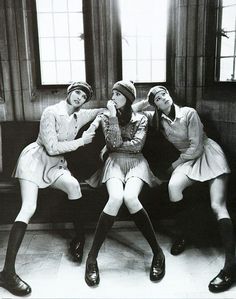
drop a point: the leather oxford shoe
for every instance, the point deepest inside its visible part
(77, 249)
(178, 246)
(92, 274)
(222, 282)
(157, 270)
(14, 284)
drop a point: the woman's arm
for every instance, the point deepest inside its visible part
(140, 106)
(50, 140)
(195, 134)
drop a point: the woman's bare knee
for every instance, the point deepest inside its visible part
(26, 212)
(113, 205)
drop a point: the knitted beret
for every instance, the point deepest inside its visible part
(127, 88)
(153, 91)
(85, 87)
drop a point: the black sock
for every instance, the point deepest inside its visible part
(104, 224)
(228, 242)
(144, 224)
(180, 215)
(15, 238)
(77, 218)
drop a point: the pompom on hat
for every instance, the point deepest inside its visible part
(84, 86)
(153, 92)
(127, 88)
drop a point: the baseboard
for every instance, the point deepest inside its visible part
(67, 225)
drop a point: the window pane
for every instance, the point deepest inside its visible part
(159, 70)
(228, 18)
(226, 69)
(60, 24)
(61, 41)
(76, 49)
(45, 24)
(226, 42)
(129, 70)
(59, 5)
(44, 5)
(62, 49)
(47, 49)
(48, 72)
(75, 5)
(78, 70)
(76, 27)
(144, 29)
(63, 71)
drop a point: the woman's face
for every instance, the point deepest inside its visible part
(163, 100)
(77, 98)
(118, 98)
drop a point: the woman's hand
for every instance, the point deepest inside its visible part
(112, 108)
(88, 137)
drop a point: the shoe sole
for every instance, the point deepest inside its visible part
(2, 285)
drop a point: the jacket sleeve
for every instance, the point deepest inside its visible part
(141, 106)
(89, 115)
(114, 139)
(49, 136)
(195, 134)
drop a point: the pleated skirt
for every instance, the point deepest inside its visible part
(124, 166)
(211, 164)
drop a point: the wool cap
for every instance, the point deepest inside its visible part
(84, 86)
(127, 88)
(153, 91)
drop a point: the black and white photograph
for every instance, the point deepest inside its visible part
(118, 149)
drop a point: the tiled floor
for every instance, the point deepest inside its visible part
(124, 263)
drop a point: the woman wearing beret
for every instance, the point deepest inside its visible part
(201, 159)
(124, 173)
(42, 164)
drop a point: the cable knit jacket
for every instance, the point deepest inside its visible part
(126, 139)
(42, 162)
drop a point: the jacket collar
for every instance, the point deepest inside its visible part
(178, 113)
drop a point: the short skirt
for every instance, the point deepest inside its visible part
(124, 166)
(211, 164)
(35, 165)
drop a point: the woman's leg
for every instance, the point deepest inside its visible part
(132, 189)
(177, 184)
(218, 192)
(8, 277)
(68, 184)
(105, 222)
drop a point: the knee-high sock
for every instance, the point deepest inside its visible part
(144, 224)
(105, 223)
(228, 242)
(180, 212)
(77, 218)
(15, 238)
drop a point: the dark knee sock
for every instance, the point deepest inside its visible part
(105, 223)
(180, 215)
(144, 224)
(15, 238)
(77, 218)
(228, 242)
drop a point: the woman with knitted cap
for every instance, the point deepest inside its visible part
(201, 159)
(124, 173)
(42, 164)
